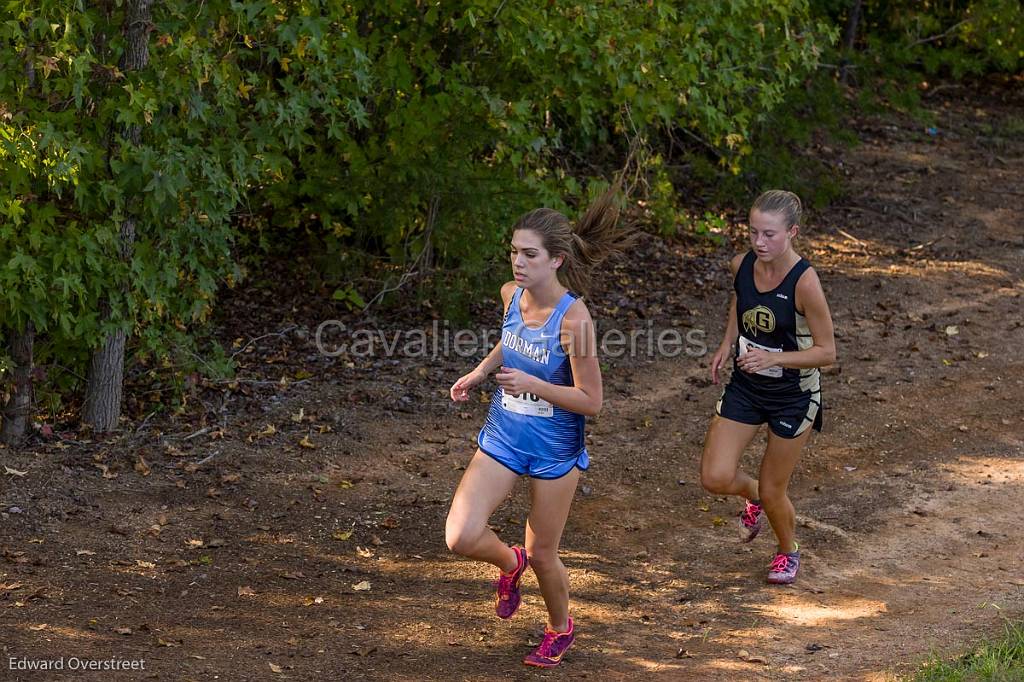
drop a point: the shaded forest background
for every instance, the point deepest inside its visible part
(153, 156)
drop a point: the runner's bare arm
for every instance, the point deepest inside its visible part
(580, 341)
(460, 389)
(731, 327)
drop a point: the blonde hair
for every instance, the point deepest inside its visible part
(780, 201)
(594, 237)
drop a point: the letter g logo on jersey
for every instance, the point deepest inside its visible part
(759, 319)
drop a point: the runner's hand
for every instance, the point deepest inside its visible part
(720, 358)
(461, 388)
(515, 381)
(755, 360)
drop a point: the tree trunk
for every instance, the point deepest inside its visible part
(849, 39)
(105, 382)
(19, 405)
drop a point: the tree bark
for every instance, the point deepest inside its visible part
(849, 39)
(19, 405)
(105, 381)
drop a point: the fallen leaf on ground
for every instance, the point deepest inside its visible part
(342, 534)
(123, 631)
(246, 591)
(307, 443)
(14, 472)
(275, 668)
(141, 467)
(105, 470)
(364, 586)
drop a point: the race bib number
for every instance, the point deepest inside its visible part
(746, 345)
(528, 404)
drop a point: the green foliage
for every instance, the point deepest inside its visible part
(416, 132)
(378, 139)
(948, 39)
(996, 660)
(70, 180)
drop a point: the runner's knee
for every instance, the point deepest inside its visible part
(717, 482)
(770, 493)
(543, 558)
(460, 538)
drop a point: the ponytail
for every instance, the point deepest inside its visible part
(595, 236)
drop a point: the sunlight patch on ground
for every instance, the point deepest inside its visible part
(798, 612)
(738, 668)
(918, 270)
(43, 631)
(967, 470)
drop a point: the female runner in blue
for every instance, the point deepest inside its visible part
(549, 381)
(781, 330)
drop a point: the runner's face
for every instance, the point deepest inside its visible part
(531, 263)
(769, 236)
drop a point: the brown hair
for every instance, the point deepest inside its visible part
(780, 201)
(594, 237)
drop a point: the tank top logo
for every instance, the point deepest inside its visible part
(759, 319)
(518, 344)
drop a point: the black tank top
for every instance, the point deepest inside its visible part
(769, 320)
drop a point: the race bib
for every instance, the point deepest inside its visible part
(528, 404)
(746, 345)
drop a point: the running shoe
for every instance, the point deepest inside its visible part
(783, 568)
(507, 586)
(751, 521)
(552, 648)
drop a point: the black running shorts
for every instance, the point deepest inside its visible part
(787, 416)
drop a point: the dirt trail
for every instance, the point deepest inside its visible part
(909, 501)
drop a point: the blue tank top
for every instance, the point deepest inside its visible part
(526, 423)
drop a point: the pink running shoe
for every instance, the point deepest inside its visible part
(552, 648)
(783, 568)
(751, 521)
(508, 595)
